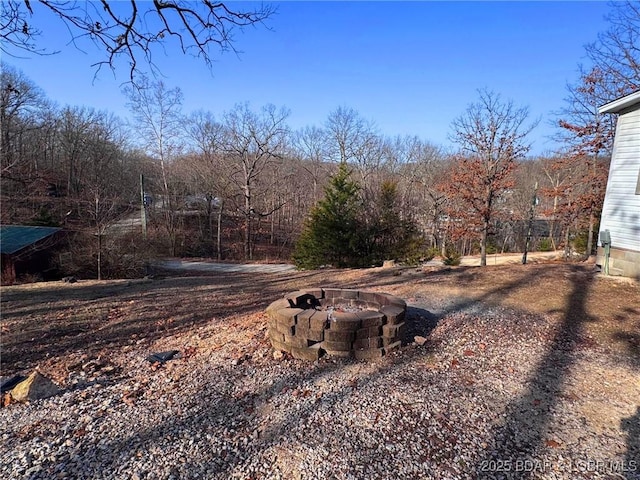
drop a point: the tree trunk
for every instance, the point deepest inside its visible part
(70, 190)
(592, 223)
(592, 217)
(219, 233)
(99, 256)
(485, 226)
(210, 223)
(247, 236)
(171, 231)
(552, 224)
(143, 209)
(483, 243)
(247, 220)
(273, 223)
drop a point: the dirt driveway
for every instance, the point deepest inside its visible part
(181, 265)
(208, 266)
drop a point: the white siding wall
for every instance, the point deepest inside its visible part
(621, 209)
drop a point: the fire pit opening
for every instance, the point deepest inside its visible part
(342, 323)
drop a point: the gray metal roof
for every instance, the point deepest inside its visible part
(14, 238)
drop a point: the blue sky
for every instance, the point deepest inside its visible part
(410, 67)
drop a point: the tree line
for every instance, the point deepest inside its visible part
(243, 185)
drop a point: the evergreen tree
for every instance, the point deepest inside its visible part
(337, 233)
(395, 236)
(330, 233)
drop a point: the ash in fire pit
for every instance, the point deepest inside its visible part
(343, 323)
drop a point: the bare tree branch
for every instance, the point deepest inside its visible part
(616, 53)
(132, 31)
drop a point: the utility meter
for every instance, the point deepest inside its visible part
(605, 240)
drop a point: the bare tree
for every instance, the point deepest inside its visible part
(294, 187)
(132, 30)
(310, 145)
(355, 140)
(207, 170)
(75, 127)
(101, 183)
(492, 136)
(559, 185)
(422, 166)
(22, 104)
(159, 125)
(616, 53)
(529, 178)
(253, 142)
(349, 133)
(205, 134)
(582, 128)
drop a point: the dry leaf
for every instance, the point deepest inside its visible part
(468, 381)
(155, 366)
(552, 443)
(6, 400)
(189, 352)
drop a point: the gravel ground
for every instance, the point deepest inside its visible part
(493, 393)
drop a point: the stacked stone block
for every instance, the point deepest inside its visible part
(305, 324)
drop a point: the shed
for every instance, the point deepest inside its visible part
(621, 207)
(25, 249)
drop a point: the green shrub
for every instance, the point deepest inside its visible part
(44, 218)
(417, 252)
(452, 257)
(491, 247)
(580, 241)
(432, 252)
(545, 245)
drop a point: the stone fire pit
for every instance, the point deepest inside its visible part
(338, 322)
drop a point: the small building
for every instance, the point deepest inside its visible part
(26, 250)
(621, 208)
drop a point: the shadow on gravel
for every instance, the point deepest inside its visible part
(205, 416)
(631, 466)
(477, 304)
(418, 321)
(523, 435)
(632, 342)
